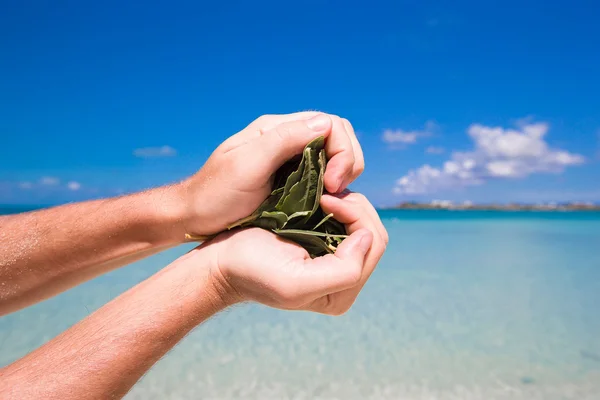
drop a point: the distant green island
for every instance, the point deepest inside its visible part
(470, 206)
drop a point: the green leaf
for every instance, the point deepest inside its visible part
(272, 220)
(317, 143)
(333, 226)
(245, 221)
(267, 205)
(293, 180)
(302, 195)
(316, 201)
(293, 208)
(312, 198)
(283, 173)
(323, 221)
(314, 245)
(293, 202)
(308, 170)
(295, 218)
(309, 233)
(289, 204)
(277, 191)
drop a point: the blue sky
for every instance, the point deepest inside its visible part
(473, 100)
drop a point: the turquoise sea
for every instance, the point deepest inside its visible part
(464, 305)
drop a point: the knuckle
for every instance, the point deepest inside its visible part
(341, 309)
(359, 198)
(386, 237)
(336, 119)
(347, 125)
(349, 161)
(262, 121)
(328, 306)
(335, 306)
(283, 131)
(378, 249)
(332, 308)
(359, 167)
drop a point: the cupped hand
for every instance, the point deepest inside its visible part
(237, 177)
(256, 265)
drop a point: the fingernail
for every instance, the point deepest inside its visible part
(319, 122)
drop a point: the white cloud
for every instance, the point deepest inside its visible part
(74, 185)
(49, 181)
(153, 152)
(25, 185)
(399, 136)
(498, 153)
(402, 137)
(434, 150)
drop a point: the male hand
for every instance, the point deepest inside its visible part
(237, 177)
(256, 265)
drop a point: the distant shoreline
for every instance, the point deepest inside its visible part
(447, 206)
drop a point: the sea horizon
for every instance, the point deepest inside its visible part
(7, 209)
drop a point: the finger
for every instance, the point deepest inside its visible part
(377, 220)
(345, 211)
(335, 272)
(341, 157)
(369, 209)
(359, 161)
(286, 140)
(355, 211)
(350, 208)
(268, 122)
(262, 124)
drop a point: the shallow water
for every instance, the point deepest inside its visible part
(463, 306)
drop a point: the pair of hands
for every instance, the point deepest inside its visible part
(254, 264)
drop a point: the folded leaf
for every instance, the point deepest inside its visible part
(267, 205)
(293, 209)
(271, 220)
(321, 163)
(293, 180)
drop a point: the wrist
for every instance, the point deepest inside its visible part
(205, 279)
(189, 218)
(228, 294)
(168, 208)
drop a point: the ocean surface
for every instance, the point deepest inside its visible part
(464, 305)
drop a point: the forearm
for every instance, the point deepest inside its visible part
(105, 354)
(48, 251)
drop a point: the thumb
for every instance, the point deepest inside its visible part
(336, 272)
(288, 139)
(355, 247)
